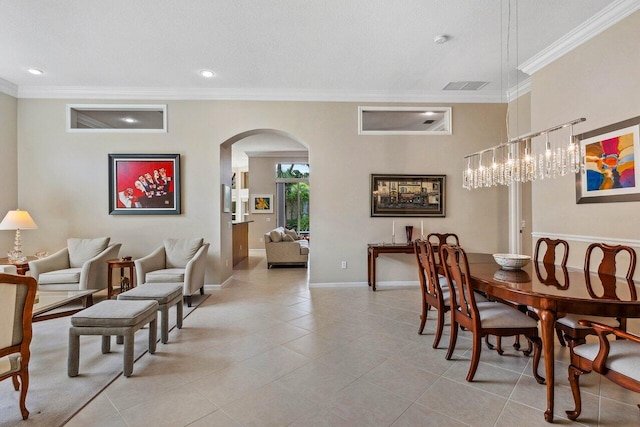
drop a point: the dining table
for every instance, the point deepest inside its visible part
(551, 291)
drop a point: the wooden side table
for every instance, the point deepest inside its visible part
(121, 264)
(22, 267)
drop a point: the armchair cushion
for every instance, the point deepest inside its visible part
(292, 233)
(179, 252)
(82, 250)
(168, 275)
(68, 275)
(624, 356)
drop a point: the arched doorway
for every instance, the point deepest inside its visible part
(262, 150)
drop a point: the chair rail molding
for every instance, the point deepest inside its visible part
(587, 239)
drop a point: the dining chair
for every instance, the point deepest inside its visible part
(17, 294)
(618, 361)
(572, 331)
(439, 239)
(551, 249)
(434, 289)
(491, 318)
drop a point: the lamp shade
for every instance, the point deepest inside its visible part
(17, 220)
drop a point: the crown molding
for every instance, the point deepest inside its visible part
(518, 90)
(601, 21)
(9, 88)
(226, 94)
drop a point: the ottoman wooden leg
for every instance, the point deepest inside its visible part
(73, 358)
(119, 339)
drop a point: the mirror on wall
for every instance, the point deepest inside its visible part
(404, 120)
(98, 118)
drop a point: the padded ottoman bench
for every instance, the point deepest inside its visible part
(166, 294)
(112, 317)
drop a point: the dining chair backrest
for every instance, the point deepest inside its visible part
(456, 268)
(550, 253)
(428, 274)
(439, 239)
(17, 295)
(607, 270)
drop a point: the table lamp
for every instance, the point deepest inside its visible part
(17, 220)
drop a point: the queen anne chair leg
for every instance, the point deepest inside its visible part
(452, 340)
(439, 328)
(574, 381)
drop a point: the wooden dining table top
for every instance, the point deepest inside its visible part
(562, 289)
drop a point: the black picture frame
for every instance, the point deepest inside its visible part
(408, 195)
(159, 194)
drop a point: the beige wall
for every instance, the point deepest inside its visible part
(9, 169)
(63, 180)
(599, 81)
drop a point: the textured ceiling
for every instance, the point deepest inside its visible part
(280, 48)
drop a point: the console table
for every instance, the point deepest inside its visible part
(375, 249)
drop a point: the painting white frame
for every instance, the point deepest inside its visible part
(255, 200)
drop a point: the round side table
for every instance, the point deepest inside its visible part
(121, 264)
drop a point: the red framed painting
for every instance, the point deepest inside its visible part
(144, 184)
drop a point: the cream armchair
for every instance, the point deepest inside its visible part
(176, 261)
(81, 265)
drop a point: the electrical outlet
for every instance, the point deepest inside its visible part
(268, 219)
(344, 264)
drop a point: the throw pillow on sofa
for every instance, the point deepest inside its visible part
(288, 238)
(276, 235)
(292, 234)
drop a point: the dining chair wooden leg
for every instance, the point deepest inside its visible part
(560, 337)
(16, 384)
(475, 356)
(423, 317)
(574, 381)
(439, 328)
(537, 352)
(452, 340)
(24, 386)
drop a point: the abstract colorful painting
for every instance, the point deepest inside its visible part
(610, 163)
(610, 174)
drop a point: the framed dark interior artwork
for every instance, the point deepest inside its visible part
(609, 174)
(144, 184)
(408, 195)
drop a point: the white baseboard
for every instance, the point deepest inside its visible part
(363, 284)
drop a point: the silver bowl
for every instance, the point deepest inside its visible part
(511, 261)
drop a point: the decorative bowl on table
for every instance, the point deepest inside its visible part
(511, 261)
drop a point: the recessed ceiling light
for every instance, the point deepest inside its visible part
(129, 120)
(207, 73)
(428, 113)
(35, 71)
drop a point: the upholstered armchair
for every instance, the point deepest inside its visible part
(80, 266)
(176, 261)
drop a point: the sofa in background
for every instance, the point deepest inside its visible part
(286, 247)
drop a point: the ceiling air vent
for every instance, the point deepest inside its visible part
(465, 85)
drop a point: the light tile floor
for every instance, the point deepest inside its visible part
(269, 351)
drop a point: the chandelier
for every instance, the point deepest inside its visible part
(518, 161)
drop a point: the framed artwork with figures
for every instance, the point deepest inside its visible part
(144, 184)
